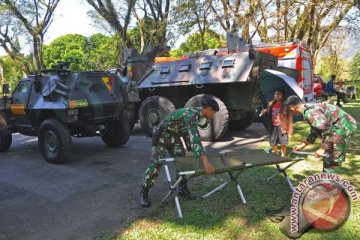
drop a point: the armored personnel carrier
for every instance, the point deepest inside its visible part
(59, 104)
(228, 75)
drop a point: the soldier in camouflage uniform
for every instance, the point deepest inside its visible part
(334, 125)
(166, 139)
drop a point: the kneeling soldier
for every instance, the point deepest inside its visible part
(166, 139)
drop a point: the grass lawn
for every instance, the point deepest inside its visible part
(222, 216)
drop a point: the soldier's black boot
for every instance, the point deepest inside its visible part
(184, 191)
(144, 197)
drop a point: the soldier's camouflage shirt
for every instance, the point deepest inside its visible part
(182, 123)
(328, 121)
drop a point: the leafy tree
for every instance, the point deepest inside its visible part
(68, 48)
(11, 72)
(158, 13)
(35, 18)
(194, 43)
(188, 15)
(177, 52)
(11, 30)
(116, 14)
(143, 33)
(98, 52)
(355, 67)
(311, 21)
(151, 17)
(234, 16)
(102, 52)
(328, 66)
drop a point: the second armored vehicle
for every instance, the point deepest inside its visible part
(228, 75)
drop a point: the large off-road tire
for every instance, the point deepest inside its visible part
(5, 142)
(55, 141)
(117, 132)
(152, 111)
(243, 123)
(216, 128)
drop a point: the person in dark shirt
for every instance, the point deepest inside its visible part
(330, 89)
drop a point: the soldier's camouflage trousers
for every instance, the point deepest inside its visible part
(158, 152)
(332, 164)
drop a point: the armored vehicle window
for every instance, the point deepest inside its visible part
(228, 63)
(205, 65)
(165, 70)
(185, 68)
(97, 87)
(23, 87)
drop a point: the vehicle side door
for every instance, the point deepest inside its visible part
(19, 104)
(100, 93)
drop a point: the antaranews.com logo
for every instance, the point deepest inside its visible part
(323, 201)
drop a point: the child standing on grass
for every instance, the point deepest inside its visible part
(282, 123)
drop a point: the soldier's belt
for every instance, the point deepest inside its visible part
(224, 162)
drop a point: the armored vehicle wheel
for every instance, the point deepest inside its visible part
(5, 142)
(117, 132)
(243, 123)
(152, 111)
(218, 126)
(54, 141)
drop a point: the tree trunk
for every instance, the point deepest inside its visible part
(278, 20)
(286, 10)
(1, 74)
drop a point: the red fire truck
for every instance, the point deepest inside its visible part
(294, 55)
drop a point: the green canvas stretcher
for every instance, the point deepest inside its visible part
(224, 162)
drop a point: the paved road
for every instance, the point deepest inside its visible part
(97, 191)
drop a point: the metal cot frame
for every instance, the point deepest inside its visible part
(174, 185)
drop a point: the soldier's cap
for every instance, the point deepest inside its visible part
(210, 102)
(292, 101)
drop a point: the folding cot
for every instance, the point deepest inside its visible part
(232, 162)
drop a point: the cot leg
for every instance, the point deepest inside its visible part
(178, 207)
(242, 197)
(217, 189)
(174, 187)
(241, 194)
(289, 182)
(283, 171)
(168, 178)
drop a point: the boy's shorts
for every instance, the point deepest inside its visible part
(278, 137)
